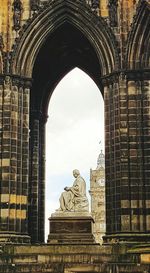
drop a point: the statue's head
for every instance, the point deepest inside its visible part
(76, 173)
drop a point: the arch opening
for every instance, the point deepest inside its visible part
(59, 47)
(74, 129)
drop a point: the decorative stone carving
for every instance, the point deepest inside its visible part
(34, 4)
(113, 5)
(95, 4)
(17, 8)
(74, 198)
(7, 82)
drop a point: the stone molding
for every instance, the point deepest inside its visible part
(133, 74)
(70, 214)
(17, 80)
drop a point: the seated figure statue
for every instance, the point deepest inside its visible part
(74, 198)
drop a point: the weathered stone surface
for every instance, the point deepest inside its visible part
(71, 258)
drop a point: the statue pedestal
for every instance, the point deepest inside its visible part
(71, 228)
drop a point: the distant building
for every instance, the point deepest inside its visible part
(97, 192)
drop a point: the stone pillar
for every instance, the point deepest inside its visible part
(127, 121)
(112, 154)
(14, 127)
(34, 178)
(41, 209)
(37, 177)
(25, 148)
(145, 145)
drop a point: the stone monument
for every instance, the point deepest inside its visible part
(72, 222)
(74, 198)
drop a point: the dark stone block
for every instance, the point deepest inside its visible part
(74, 230)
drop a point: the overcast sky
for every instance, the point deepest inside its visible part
(74, 129)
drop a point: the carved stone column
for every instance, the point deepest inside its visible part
(34, 177)
(112, 151)
(145, 145)
(41, 204)
(14, 140)
(127, 120)
(37, 177)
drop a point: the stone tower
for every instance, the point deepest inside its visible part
(97, 192)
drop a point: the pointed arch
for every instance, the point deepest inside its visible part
(53, 15)
(138, 46)
(63, 50)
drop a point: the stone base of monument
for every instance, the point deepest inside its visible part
(71, 229)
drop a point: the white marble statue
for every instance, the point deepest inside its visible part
(74, 198)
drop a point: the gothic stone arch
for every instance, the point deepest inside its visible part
(92, 47)
(25, 93)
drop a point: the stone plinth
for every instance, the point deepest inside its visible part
(71, 228)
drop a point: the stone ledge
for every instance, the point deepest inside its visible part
(9, 238)
(70, 214)
(127, 238)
